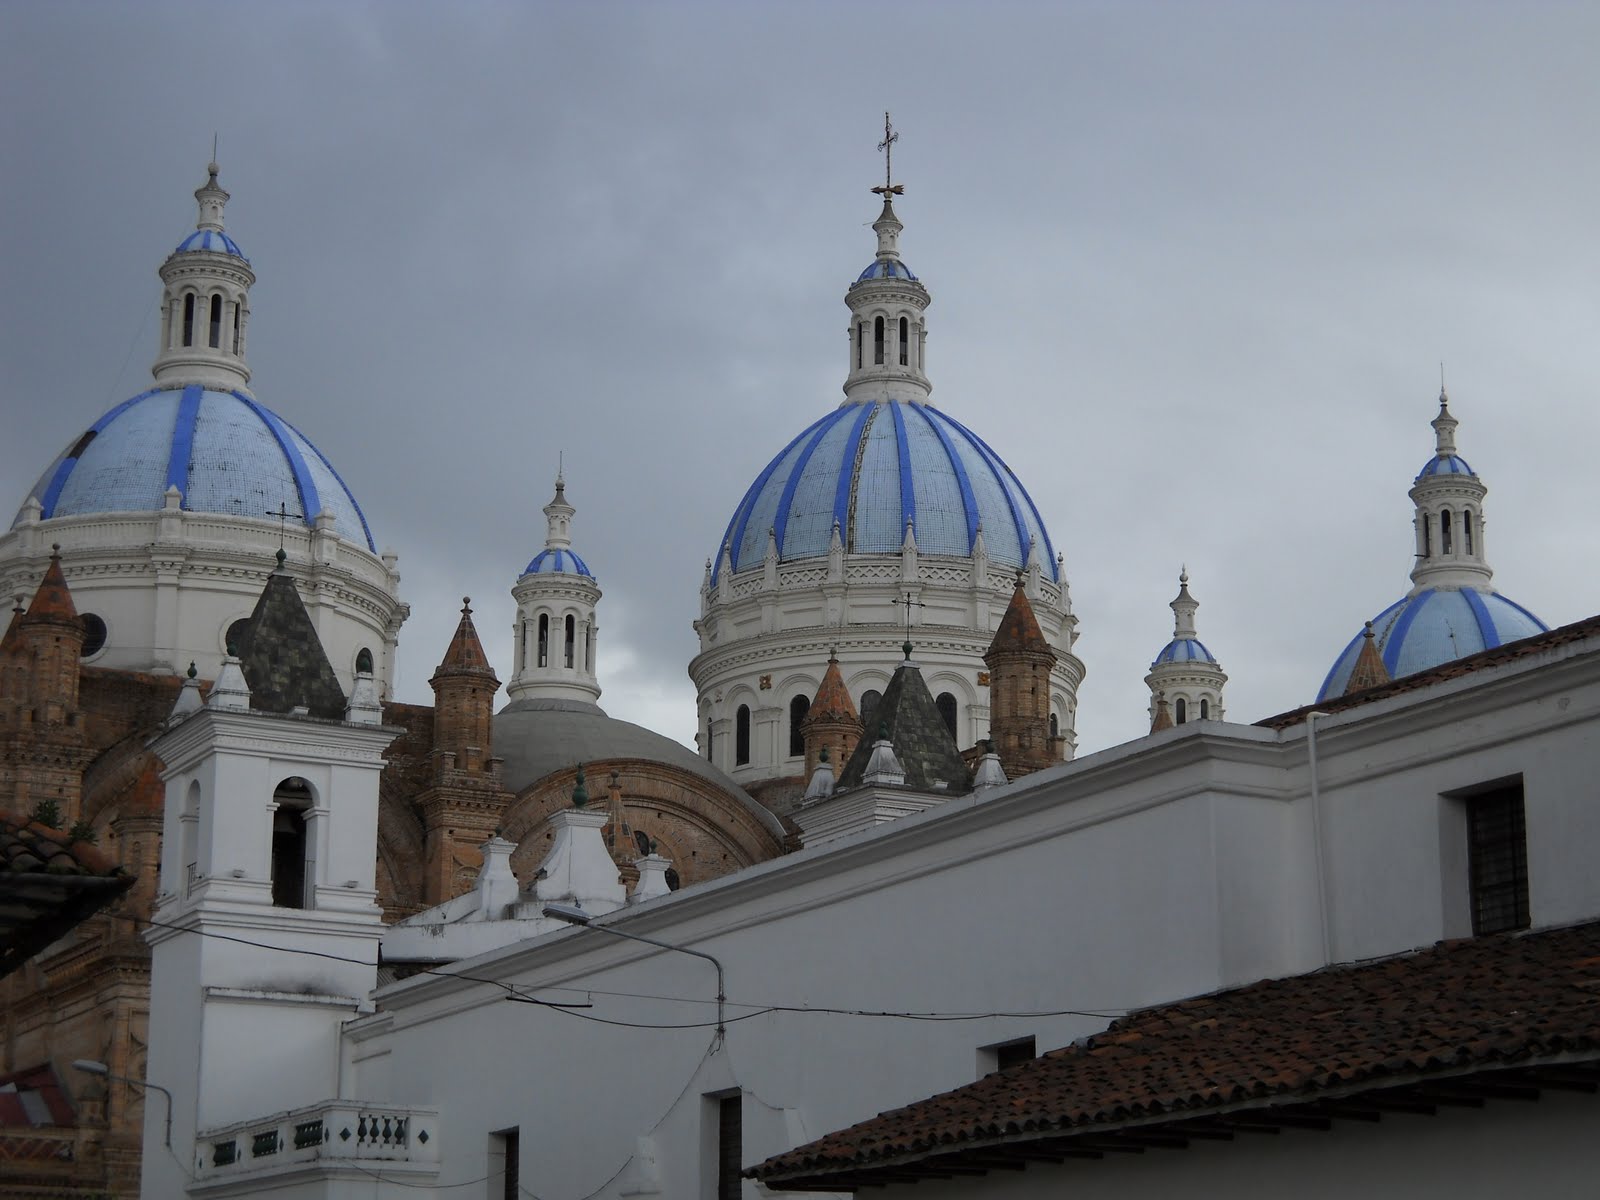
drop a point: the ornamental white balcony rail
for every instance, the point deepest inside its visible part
(336, 1136)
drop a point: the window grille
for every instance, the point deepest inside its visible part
(1497, 853)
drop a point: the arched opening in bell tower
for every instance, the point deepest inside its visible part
(291, 845)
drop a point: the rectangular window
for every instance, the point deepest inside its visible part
(1497, 859)
(730, 1145)
(1002, 1056)
(505, 1161)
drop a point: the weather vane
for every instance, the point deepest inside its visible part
(909, 602)
(890, 187)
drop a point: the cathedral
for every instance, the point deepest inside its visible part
(884, 614)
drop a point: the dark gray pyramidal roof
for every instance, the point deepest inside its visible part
(908, 717)
(282, 658)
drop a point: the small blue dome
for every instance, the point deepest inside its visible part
(885, 268)
(557, 562)
(1445, 464)
(1433, 627)
(224, 451)
(210, 239)
(1184, 650)
(872, 467)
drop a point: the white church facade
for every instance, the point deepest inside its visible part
(876, 940)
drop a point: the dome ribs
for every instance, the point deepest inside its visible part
(183, 439)
(863, 434)
(969, 498)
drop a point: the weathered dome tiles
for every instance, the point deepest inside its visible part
(225, 452)
(874, 467)
(1433, 627)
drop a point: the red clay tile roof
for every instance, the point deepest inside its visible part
(1369, 671)
(832, 698)
(1436, 1018)
(48, 883)
(53, 601)
(465, 652)
(1523, 648)
(1019, 628)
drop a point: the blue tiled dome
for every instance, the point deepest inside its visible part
(1181, 650)
(1435, 626)
(1445, 464)
(885, 268)
(210, 239)
(558, 562)
(224, 451)
(872, 467)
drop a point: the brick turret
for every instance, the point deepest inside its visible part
(465, 800)
(44, 751)
(1019, 661)
(832, 720)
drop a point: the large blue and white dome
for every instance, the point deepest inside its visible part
(224, 451)
(1433, 627)
(872, 467)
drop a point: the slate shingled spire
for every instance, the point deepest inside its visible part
(1369, 670)
(282, 657)
(909, 718)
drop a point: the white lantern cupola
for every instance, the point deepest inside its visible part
(888, 330)
(555, 634)
(1448, 496)
(205, 308)
(1185, 676)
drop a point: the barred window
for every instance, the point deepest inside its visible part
(1497, 856)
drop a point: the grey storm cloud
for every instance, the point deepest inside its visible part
(1194, 269)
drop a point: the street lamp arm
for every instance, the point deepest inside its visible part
(90, 1067)
(576, 916)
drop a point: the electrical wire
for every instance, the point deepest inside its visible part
(521, 996)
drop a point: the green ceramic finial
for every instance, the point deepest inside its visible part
(883, 731)
(193, 674)
(282, 557)
(905, 648)
(580, 793)
(822, 755)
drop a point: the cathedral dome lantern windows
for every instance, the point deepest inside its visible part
(556, 598)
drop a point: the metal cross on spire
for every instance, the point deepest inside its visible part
(890, 187)
(909, 602)
(283, 514)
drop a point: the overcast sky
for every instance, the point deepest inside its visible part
(1194, 268)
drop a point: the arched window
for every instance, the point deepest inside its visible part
(290, 848)
(905, 340)
(710, 742)
(238, 332)
(1180, 711)
(946, 704)
(798, 708)
(215, 338)
(877, 341)
(588, 649)
(741, 735)
(1205, 710)
(869, 709)
(1466, 528)
(1427, 536)
(861, 337)
(188, 319)
(1444, 532)
(1055, 726)
(544, 639)
(572, 637)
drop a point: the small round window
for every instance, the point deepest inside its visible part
(94, 634)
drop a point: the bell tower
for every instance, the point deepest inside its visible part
(205, 307)
(554, 639)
